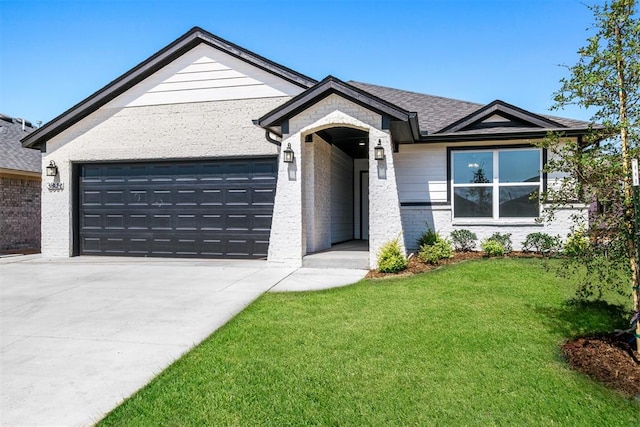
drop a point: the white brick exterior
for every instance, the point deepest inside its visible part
(415, 220)
(179, 131)
(302, 213)
(317, 193)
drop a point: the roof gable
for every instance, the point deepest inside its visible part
(145, 69)
(499, 114)
(332, 85)
(202, 74)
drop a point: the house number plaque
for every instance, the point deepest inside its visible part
(55, 186)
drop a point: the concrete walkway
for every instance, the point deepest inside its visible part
(79, 335)
(351, 254)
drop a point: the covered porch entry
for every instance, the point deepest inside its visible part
(332, 189)
(336, 195)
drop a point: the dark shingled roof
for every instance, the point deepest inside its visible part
(13, 155)
(436, 112)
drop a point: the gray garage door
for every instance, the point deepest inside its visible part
(204, 209)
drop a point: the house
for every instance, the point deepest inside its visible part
(19, 188)
(206, 149)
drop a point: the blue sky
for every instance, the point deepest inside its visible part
(53, 54)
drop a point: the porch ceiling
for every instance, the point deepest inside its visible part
(353, 142)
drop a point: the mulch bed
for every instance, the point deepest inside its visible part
(612, 359)
(416, 266)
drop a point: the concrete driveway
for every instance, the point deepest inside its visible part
(79, 335)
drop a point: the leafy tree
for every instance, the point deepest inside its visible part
(598, 167)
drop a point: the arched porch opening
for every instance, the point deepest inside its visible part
(336, 190)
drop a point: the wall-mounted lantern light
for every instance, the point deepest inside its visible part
(378, 151)
(288, 154)
(52, 169)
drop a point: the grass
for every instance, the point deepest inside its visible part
(470, 344)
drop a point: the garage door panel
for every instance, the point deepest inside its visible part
(186, 197)
(138, 222)
(217, 208)
(256, 193)
(211, 196)
(237, 220)
(217, 245)
(114, 222)
(89, 221)
(186, 222)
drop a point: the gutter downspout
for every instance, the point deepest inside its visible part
(267, 135)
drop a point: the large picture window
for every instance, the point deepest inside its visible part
(497, 183)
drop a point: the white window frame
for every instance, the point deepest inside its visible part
(495, 185)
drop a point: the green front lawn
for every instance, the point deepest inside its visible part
(470, 344)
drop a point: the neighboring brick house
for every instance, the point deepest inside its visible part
(20, 188)
(186, 155)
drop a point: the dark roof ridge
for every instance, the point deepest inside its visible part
(19, 120)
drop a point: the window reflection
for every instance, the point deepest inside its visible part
(514, 192)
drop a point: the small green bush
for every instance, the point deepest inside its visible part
(429, 237)
(463, 240)
(541, 243)
(492, 247)
(504, 240)
(432, 254)
(391, 258)
(577, 243)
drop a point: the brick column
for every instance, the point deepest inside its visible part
(286, 243)
(385, 223)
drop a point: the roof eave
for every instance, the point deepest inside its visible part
(501, 136)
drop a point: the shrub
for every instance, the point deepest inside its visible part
(492, 247)
(391, 258)
(577, 243)
(503, 239)
(464, 240)
(541, 243)
(429, 237)
(432, 254)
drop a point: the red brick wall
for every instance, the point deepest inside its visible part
(19, 213)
